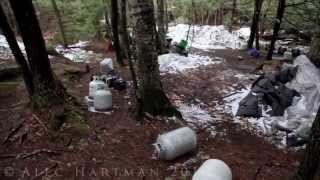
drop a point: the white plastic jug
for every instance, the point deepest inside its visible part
(213, 169)
(106, 66)
(175, 143)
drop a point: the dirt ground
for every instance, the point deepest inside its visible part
(119, 147)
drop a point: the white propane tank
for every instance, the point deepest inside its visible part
(287, 55)
(106, 65)
(213, 169)
(175, 143)
(102, 99)
(94, 85)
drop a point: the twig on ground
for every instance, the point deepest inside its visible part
(40, 122)
(13, 131)
(256, 174)
(35, 152)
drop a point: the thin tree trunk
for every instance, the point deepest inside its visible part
(122, 29)
(194, 9)
(166, 18)
(9, 14)
(115, 30)
(108, 27)
(46, 88)
(255, 22)
(233, 13)
(129, 54)
(60, 23)
(153, 98)
(161, 25)
(21, 61)
(258, 38)
(276, 28)
(311, 160)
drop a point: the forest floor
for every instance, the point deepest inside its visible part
(119, 147)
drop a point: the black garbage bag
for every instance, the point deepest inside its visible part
(269, 90)
(249, 106)
(117, 83)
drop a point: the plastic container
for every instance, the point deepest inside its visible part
(175, 143)
(106, 66)
(96, 84)
(213, 169)
(102, 100)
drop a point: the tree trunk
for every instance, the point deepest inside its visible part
(129, 54)
(9, 14)
(161, 25)
(21, 61)
(255, 22)
(314, 53)
(123, 29)
(311, 160)
(194, 9)
(276, 28)
(46, 88)
(60, 23)
(166, 18)
(108, 27)
(153, 99)
(115, 30)
(258, 38)
(233, 13)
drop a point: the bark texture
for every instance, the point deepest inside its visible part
(315, 49)
(153, 100)
(311, 160)
(161, 25)
(115, 30)
(280, 12)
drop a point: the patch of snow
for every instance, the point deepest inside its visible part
(197, 117)
(210, 37)
(76, 53)
(175, 63)
(5, 51)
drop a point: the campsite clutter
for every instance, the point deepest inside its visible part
(100, 95)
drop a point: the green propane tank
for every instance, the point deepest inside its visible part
(183, 44)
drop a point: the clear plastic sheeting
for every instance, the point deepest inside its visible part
(299, 117)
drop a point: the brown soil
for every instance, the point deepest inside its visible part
(119, 147)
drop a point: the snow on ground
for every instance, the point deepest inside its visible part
(75, 52)
(197, 117)
(298, 117)
(210, 37)
(5, 51)
(175, 63)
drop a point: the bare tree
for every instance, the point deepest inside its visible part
(255, 23)
(153, 100)
(45, 88)
(277, 24)
(115, 30)
(60, 23)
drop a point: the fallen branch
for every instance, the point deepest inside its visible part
(13, 131)
(40, 122)
(36, 152)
